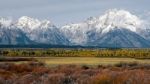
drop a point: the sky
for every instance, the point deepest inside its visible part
(61, 12)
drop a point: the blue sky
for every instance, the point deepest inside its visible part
(61, 12)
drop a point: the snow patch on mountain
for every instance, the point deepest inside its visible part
(114, 27)
(28, 24)
(116, 19)
(44, 31)
(38, 31)
(96, 27)
(5, 22)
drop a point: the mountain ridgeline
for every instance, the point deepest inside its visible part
(115, 28)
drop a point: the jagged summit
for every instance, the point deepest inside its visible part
(28, 22)
(5, 22)
(115, 28)
(116, 19)
(25, 22)
(33, 30)
(111, 19)
(96, 30)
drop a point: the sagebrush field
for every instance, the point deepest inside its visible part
(38, 73)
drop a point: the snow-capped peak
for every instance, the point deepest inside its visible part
(31, 23)
(47, 24)
(116, 19)
(96, 27)
(5, 22)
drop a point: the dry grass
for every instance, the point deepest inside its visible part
(38, 73)
(93, 61)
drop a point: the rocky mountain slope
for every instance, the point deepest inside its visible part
(115, 28)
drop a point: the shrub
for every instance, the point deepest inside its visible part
(38, 73)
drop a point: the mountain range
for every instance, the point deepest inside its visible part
(115, 28)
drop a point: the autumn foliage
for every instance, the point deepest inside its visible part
(130, 53)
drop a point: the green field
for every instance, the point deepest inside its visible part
(52, 61)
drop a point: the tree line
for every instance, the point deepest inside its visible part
(56, 52)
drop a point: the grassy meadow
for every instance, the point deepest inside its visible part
(91, 61)
(60, 56)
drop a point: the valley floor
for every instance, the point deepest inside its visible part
(71, 66)
(91, 61)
